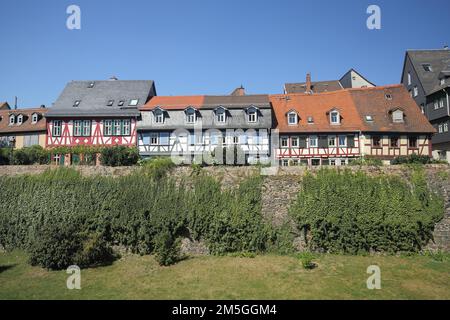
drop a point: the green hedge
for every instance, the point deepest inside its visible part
(353, 212)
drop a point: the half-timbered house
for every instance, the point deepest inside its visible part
(196, 125)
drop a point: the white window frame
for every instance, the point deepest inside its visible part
(221, 116)
(77, 128)
(117, 124)
(442, 81)
(311, 139)
(397, 119)
(416, 91)
(19, 119)
(252, 115)
(284, 142)
(295, 119)
(440, 128)
(12, 119)
(337, 120)
(154, 139)
(107, 128)
(34, 118)
(158, 116)
(56, 128)
(295, 142)
(441, 103)
(133, 102)
(332, 138)
(236, 139)
(87, 125)
(126, 127)
(436, 104)
(446, 127)
(409, 78)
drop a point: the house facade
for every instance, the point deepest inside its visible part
(97, 113)
(201, 126)
(21, 128)
(426, 76)
(334, 128)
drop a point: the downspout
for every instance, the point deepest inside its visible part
(448, 103)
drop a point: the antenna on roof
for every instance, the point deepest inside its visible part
(15, 103)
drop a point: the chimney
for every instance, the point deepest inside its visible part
(239, 91)
(308, 83)
(15, 103)
(42, 106)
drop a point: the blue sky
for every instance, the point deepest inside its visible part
(207, 46)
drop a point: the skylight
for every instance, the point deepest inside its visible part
(121, 102)
(77, 103)
(133, 102)
(427, 67)
(369, 118)
(91, 84)
(310, 119)
(110, 103)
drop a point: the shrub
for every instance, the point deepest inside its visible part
(167, 248)
(5, 155)
(30, 155)
(95, 251)
(157, 167)
(306, 259)
(412, 159)
(366, 161)
(119, 156)
(353, 212)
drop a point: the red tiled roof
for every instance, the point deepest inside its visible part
(26, 126)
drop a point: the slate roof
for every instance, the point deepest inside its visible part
(353, 105)
(206, 102)
(439, 61)
(4, 106)
(94, 101)
(316, 86)
(27, 125)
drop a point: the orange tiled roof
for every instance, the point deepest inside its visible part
(26, 126)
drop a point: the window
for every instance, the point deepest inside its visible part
(313, 141)
(410, 93)
(159, 116)
(110, 103)
(446, 127)
(77, 124)
(91, 85)
(107, 128)
(285, 162)
(20, 119)
(86, 128)
(342, 141)
(121, 103)
(422, 108)
(427, 67)
(440, 128)
(34, 118)
(369, 118)
(416, 91)
(332, 141)
(294, 142)
(315, 162)
(236, 139)
(126, 127)
(310, 120)
(412, 142)
(153, 139)
(441, 103)
(77, 103)
(397, 116)
(220, 115)
(436, 104)
(409, 78)
(292, 118)
(376, 142)
(394, 142)
(252, 115)
(56, 128)
(388, 96)
(117, 127)
(133, 102)
(12, 119)
(190, 115)
(442, 81)
(334, 117)
(284, 142)
(30, 140)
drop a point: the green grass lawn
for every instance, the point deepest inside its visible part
(262, 277)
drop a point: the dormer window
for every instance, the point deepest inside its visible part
(77, 103)
(292, 118)
(388, 96)
(110, 103)
(34, 118)
(442, 81)
(91, 85)
(409, 78)
(221, 116)
(427, 67)
(159, 115)
(310, 120)
(121, 103)
(335, 117)
(191, 115)
(369, 118)
(133, 102)
(252, 115)
(415, 91)
(12, 119)
(397, 116)
(20, 119)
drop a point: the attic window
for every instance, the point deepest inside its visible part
(310, 119)
(91, 84)
(110, 103)
(77, 103)
(20, 119)
(369, 118)
(292, 118)
(34, 118)
(388, 96)
(133, 102)
(442, 81)
(397, 116)
(12, 119)
(335, 117)
(121, 103)
(427, 67)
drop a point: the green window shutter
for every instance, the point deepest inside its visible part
(302, 142)
(323, 142)
(351, 141)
